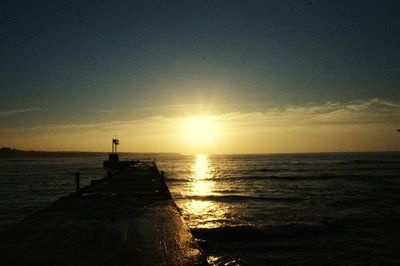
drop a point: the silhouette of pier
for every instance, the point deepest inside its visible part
(126, 218)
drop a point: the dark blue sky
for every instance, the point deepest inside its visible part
(71, 59)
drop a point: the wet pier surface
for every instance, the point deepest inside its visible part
(125, 219)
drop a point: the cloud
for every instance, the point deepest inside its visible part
(373, 111)
(105, 111)
(18, 111)
(328, 126)
(194, 108)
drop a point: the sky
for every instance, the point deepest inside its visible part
(200, 76)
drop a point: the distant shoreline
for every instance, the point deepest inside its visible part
(12, 153)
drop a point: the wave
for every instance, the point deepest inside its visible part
(370, 162)
(248, 233)
(172, 179)
(298, 177)
(376, 161)
(236, 198)
(279, 170)
(364, 224)
(327, 176)
(20, 160)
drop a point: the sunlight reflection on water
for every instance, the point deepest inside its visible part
(205, 210)
(202, 184)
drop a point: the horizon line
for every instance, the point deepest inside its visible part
(187, 154)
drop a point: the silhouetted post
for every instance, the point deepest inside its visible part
(77, 182)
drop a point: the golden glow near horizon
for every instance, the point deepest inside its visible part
(324, 127)
(201, 131)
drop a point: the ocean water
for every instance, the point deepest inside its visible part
(283, 209)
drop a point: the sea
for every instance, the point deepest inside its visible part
(253, 209)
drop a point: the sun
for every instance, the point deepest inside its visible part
(201, 131)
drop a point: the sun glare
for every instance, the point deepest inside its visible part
(201, 130)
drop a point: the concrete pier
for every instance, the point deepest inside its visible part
(127, 218)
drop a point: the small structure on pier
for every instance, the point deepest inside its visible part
(113, 161)
(113, 156)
